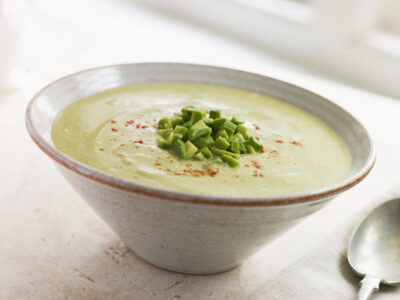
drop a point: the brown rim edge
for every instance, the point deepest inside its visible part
(178, 196)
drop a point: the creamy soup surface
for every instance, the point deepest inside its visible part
(115, 131)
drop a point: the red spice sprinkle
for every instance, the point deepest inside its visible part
(256, 126)
(262, 150)
(295, 143)
(256, 165)
(126, 125)
(261, 175)
(157, 164)
(113, 129)
(101, 149)
(112, 121)
(138, 126)
(212, 174)
(138, 142)
(194, 173)
(122, 145)
(237, 176)
(246, 166)
(279, 141)
(130, 122)
(257, 138)
(144, 126)
(254, 175)
(273, 154)
(171, 161)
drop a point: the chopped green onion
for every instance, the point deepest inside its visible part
(187, 124)
(199, 156)
(193, 135)
(222, 152)
(250, 149)
(230, 127)
(170, 137)
(242, 130)
(238, 136)
(165, 132)
(185, 117)
(197, 116)
(182, 130)
(175, 122)
(178, 147)
(206, 152)
(242, 147)
(173, 136)
(199, 124)
(188, 110)
(164, 123)
(208, 121)
(203, 141)
(218, 160)
(256, 145)
(237, 121)
(235, 146)
(221, 143)
(218, 123)
(230, 160)
(222, 133)
(190, 149)
(215, 114)
(163, 144)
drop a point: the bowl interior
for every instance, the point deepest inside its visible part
(54, 97)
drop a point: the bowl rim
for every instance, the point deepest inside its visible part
(180, 196)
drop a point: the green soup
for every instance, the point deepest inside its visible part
(115, 131)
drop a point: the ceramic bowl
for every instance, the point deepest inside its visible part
(181, 231)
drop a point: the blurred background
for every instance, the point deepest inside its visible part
(350, 41)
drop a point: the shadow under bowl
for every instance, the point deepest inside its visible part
(184, 232)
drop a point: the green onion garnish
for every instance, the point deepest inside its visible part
(194, 135)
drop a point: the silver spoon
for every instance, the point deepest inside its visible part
(374, 249)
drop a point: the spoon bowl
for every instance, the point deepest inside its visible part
(374, 249)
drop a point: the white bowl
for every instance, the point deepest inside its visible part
(180, 231)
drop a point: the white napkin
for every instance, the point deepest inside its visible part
(324, 273)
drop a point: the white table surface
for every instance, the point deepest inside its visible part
(52, 245)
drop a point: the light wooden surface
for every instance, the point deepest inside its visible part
(52, 246)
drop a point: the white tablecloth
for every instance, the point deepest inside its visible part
(52, 246)
(324, 272)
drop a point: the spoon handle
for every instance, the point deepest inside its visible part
(369, 285)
